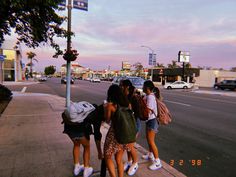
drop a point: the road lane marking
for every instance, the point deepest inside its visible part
(183, 104)
(24, 89)
(203, 98)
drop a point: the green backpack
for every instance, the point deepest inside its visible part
(124, 125)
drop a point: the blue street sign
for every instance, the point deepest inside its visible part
(80, 4)
(2, 57)
(152, 59)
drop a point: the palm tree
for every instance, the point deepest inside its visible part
(173, 65)
(138, 68)
(160, 65)
(31, 56)
(188, 65)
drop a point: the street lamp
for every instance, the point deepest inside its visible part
(152, 59)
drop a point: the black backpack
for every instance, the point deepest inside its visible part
(124, 125)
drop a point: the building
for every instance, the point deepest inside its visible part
(77, 70)
(202, 78)
(163, 75)
(12, 64)
(207, 78)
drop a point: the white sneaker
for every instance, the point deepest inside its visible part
(87, 171)
(148, 156)
(78, 168)
(127, 165)
(133, 168)
(155, 165)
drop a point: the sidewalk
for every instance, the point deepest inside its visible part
(29, 82)
(32, 143)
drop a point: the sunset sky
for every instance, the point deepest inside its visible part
(113, 31)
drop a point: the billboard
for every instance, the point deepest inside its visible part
(183, 56)
(126, 65)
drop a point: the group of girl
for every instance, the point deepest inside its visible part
(123, 95)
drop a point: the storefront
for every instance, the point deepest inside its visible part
(12, 64)
(161, 76)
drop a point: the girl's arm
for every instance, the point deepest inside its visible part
(108, 110)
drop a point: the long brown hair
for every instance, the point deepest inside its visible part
(116, 96)
(149, 84)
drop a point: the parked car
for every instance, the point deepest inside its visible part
(116, 80)
(136, 81)
(87, 79)
(42, 78)
(226, 84)
(95, 79)
(64, 80)
(178, 85)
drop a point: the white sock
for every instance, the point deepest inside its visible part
(77, 165)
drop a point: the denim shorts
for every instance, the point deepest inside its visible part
(152, 125)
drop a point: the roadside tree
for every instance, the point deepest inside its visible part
(188, 65)
(35, 22)
(49, 70)
(160, 65)
(173, 65)
(138, 68)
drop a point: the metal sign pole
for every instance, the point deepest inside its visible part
(68, 65)
(1, 70)
(152, 66)
(1, 73)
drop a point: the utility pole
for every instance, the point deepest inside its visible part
(82, 5)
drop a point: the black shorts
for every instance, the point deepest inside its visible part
(78, 131)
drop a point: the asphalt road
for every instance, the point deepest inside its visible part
(200, 142)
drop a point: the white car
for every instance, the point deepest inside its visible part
(42, 78)
(95, 80)
(178, 85)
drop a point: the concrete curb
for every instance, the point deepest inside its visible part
(21, 83)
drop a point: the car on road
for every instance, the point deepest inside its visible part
(64, 80)
(116, 80)
(226, 84)
(42, 78)
(87, 79)
(136, 81)
(178, 85)
(95, 79)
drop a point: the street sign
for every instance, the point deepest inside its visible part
(80, 4)
(152, 59)
(2, 57)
